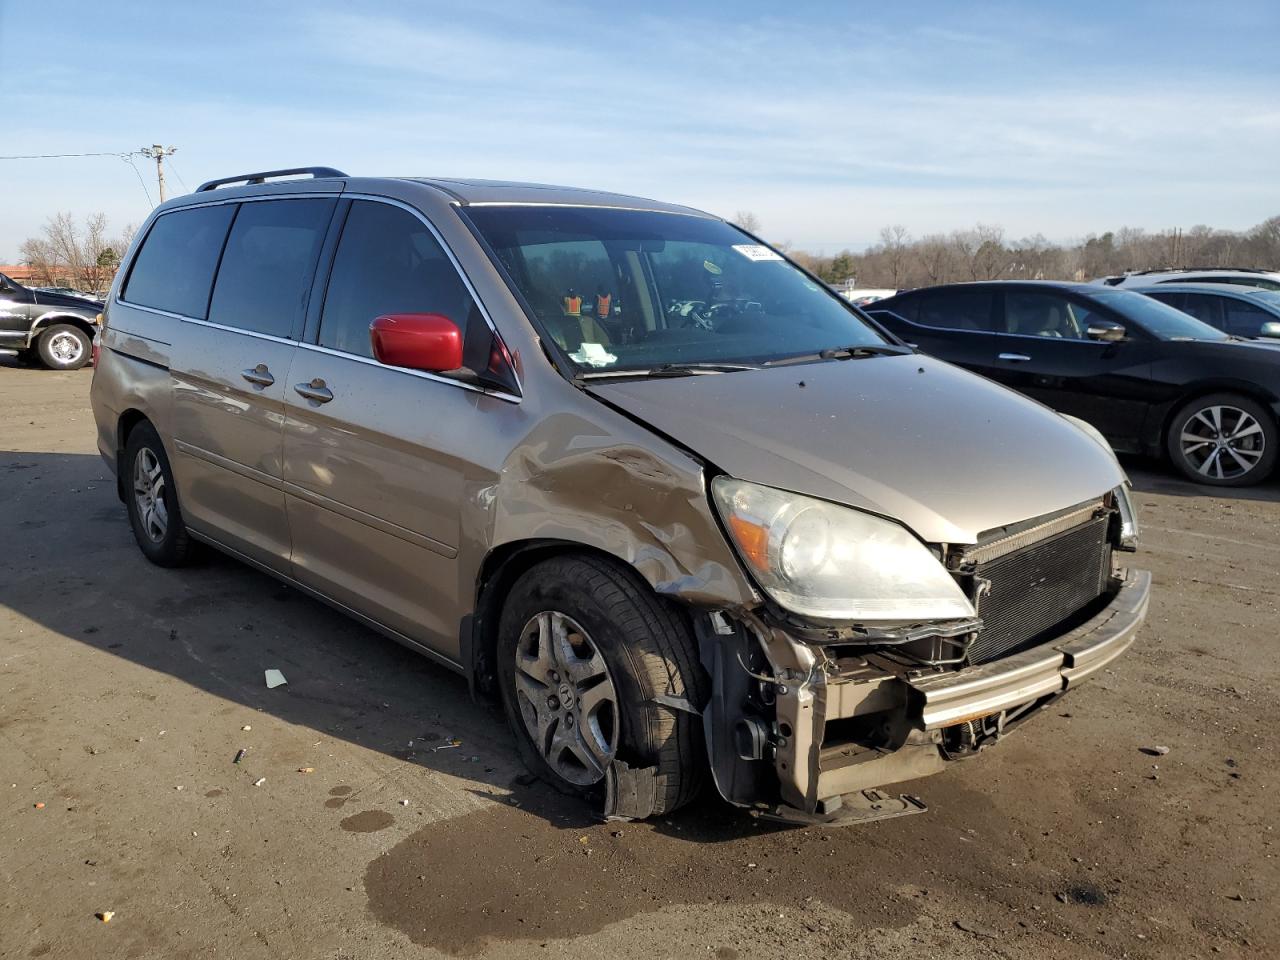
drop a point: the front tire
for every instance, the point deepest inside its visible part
(152, 499)
(1224, 440)
(584, 647)
(64, 347)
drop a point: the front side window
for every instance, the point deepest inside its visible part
(268, 265)
(1034, 313)
(389, 262)
(634, 289)
(174, 269)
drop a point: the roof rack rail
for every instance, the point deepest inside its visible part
(1138, 273)
(251, 178)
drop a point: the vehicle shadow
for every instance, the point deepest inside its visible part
(1153, 476)
(71, 566)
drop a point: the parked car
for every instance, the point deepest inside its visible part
(1152, 379)
(56, 329)
(667, 496)
(69, 292)
(1238, 276)
(861, 296)
(1239, 311)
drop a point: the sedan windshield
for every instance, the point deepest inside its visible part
(636, 290)
(1158, 319)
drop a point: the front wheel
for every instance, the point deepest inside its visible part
(1225, 440)
(584, 647)
(64, 347)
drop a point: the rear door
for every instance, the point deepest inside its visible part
(230, 371)
(379, 459)
(951, 323)
(1044, 351)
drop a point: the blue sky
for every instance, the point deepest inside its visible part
(828, 120)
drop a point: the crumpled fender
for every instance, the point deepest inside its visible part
(621, 489)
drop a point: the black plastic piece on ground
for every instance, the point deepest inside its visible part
(630, 793)
(855, 808)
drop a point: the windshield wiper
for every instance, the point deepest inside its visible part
(669, 370)
(845, 353)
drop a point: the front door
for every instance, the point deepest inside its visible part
(16, 306)
(1046, 353)
(231, 372)
(378, 459)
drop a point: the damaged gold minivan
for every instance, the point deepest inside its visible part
(687, 513)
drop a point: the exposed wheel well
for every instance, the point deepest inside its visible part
(71, 319)
(124, 426)
(501, 569)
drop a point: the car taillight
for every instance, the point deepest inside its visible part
(96, 349)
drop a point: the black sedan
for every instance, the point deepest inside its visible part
(1151, 378)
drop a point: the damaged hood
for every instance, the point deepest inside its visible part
(943, 451)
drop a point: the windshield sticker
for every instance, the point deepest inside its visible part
(593, 355)
(710, 267)
(756, 251)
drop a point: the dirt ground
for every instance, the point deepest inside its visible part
(126, 692)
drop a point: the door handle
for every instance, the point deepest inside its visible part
(315, 390)
(259, 375)
(1015, 357)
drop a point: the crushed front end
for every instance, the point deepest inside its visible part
(803, 714)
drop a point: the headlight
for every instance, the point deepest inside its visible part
(833, 563)
(1128, 518)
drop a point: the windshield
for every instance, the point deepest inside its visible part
(1158, 319)
(635, 290)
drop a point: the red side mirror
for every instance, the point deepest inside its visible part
(419, 341)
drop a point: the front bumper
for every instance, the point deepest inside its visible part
(952, 698)
(918, 712)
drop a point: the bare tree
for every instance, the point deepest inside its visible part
(895, 244)
(75, 254)
(748, 221)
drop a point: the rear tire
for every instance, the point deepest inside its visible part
(627, 645)
(152, 499)
(64, 347)
(1224, 440)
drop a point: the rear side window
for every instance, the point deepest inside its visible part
(1203, 306)
(956, 309)
(174, 269)
(268, 265)
(389, 262)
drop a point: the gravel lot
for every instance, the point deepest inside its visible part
(126, 691)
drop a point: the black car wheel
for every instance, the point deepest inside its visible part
(64, 347)
(584, 648)
(1225, 440)
(152, 500)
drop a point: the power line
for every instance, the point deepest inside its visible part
(57, 156)
(129, 160)
(178, 175)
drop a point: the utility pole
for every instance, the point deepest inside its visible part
(157, 153)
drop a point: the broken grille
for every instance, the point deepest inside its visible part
(1033, 590)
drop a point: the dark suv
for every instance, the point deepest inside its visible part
(55, 327)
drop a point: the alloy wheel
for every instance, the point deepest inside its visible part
(148, 495)
(566, 698)
(1222, 442)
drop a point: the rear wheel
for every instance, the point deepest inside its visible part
(1226, 440)
(64, 347)
(584, 647)
(152, 500)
